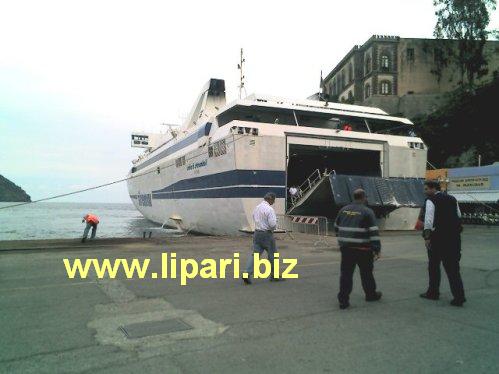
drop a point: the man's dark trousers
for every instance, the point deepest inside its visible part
(449, 255)
(350, 257)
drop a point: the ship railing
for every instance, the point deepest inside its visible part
(312, 180)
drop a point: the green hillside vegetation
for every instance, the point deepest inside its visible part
(11, 192)
(466, 126)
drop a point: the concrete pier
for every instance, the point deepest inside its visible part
(53, 324)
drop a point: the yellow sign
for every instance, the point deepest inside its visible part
(469, 183)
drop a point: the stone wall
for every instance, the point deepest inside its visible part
(409, 106)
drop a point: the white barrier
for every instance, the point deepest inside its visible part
(304, 224)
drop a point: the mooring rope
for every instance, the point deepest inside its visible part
(154, 170)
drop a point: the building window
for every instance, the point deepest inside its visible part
(386, 88)
(343, 81)
(350, 96)
(410, 55)
(385, 62)
(368, 64)
(350, 72)
(367, 91)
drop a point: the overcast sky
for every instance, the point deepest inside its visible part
(76, 77)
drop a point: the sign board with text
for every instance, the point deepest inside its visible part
(469, 183)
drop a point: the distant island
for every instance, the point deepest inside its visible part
(11, 192)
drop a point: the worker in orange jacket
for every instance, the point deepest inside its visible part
(91, 222)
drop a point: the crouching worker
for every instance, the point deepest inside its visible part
(91, 222)
(359, 242)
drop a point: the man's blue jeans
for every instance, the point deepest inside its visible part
(262, 241)
(87, 229)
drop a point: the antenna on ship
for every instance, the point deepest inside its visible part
(173, 132)
(241, 75)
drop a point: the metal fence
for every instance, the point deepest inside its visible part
(480, 218)
(305, 224)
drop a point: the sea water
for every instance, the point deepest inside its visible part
(52, 220)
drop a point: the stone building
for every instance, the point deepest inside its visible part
(398, 75)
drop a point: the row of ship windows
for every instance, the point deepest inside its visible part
(218, 148)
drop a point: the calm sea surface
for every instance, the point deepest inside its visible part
(63, 220)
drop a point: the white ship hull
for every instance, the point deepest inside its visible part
(210, 180)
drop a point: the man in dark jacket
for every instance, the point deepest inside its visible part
(358, 237)
(442, 234)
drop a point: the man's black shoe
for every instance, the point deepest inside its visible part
(344, 305)
(247, 280)
(457, 302)
(375, 297)
(429, 296)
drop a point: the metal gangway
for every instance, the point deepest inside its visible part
(308, 185)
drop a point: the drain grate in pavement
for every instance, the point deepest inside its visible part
(143, 329)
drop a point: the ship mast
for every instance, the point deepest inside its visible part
(241, 74)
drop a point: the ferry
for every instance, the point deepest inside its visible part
(208, 175)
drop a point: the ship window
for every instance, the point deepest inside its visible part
(284, 116)
(179, 162)
(217, 149)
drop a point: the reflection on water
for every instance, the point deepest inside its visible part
(63, 220)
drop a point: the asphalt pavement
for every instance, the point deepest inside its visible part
(52, 324)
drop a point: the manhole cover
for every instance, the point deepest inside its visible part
(492, 278)
(143, 329)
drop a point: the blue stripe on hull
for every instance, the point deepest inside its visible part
(227, 184)
(220, 193)
(202, 131)
(229, 178)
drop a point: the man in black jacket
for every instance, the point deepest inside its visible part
(442, 234)
(358, 237)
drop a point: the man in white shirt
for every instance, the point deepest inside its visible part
(293, 194)
(263, 239)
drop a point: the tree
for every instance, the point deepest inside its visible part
(463, 128)
(466, 22)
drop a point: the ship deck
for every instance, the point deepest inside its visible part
(53, 324)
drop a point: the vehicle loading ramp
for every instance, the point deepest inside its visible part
(334, 191)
